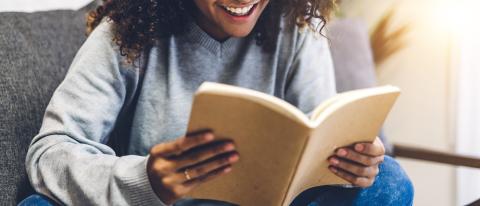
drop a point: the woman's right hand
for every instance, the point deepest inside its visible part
(177, 167)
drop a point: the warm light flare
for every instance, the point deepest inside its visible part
(457, 16)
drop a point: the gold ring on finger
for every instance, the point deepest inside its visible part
(187, 175)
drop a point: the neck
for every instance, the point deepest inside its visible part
(211, 29)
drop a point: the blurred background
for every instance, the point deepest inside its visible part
(430, 49)
(436, 62)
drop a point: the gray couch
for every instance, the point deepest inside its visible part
(36, 50)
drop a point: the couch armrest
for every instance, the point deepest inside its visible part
(435, 156)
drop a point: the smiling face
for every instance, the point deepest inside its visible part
(228, 18)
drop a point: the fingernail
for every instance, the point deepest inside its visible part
(229, 147)
(342, 152)
(359, 147)
(333, 169)
(228, 169)
(209, 136)
(334, 161)
(233, 158)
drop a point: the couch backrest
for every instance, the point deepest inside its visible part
(353, 59)
(36, 50)
(352, 54)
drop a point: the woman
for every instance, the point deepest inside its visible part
(131, 85)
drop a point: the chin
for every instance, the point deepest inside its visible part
(239, 32)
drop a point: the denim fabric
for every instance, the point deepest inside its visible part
(392, 187)
(37, 200)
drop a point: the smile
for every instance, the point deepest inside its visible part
(240, 11)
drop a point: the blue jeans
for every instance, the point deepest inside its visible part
(392, 187)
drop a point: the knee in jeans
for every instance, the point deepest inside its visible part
(394, 178)
(37, 199)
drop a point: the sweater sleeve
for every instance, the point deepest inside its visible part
(68, 160)
(311, 78)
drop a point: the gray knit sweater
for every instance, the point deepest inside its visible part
(69, 159)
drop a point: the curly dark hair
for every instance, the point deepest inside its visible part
(141, 23)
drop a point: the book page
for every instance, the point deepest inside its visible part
(276, 104)
(345, 96)
(349, 120)
(269, 143)
(324, 105)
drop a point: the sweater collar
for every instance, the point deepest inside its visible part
(197, 35)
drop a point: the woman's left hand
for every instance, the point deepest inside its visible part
(358, 164)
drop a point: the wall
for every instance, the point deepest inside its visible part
(422, 116)
(40, 5)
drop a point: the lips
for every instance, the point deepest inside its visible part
(239, 11)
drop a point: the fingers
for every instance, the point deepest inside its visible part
(359, 165)
(373, 149)
(204, 157)
(204, 154)
(177, 191)
(359, 158)
(212, 175)
(201, 170)
(210, 152)
(182, 144)
(353, 168)
(356, 180)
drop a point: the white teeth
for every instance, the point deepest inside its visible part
(239, 11)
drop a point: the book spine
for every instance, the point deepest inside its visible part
(284, 199)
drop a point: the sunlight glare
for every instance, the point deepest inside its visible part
(457, 16)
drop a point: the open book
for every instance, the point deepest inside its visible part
(282, 151)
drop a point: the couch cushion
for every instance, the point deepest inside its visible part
(36, 51)
(352, 55)
(353, 59)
